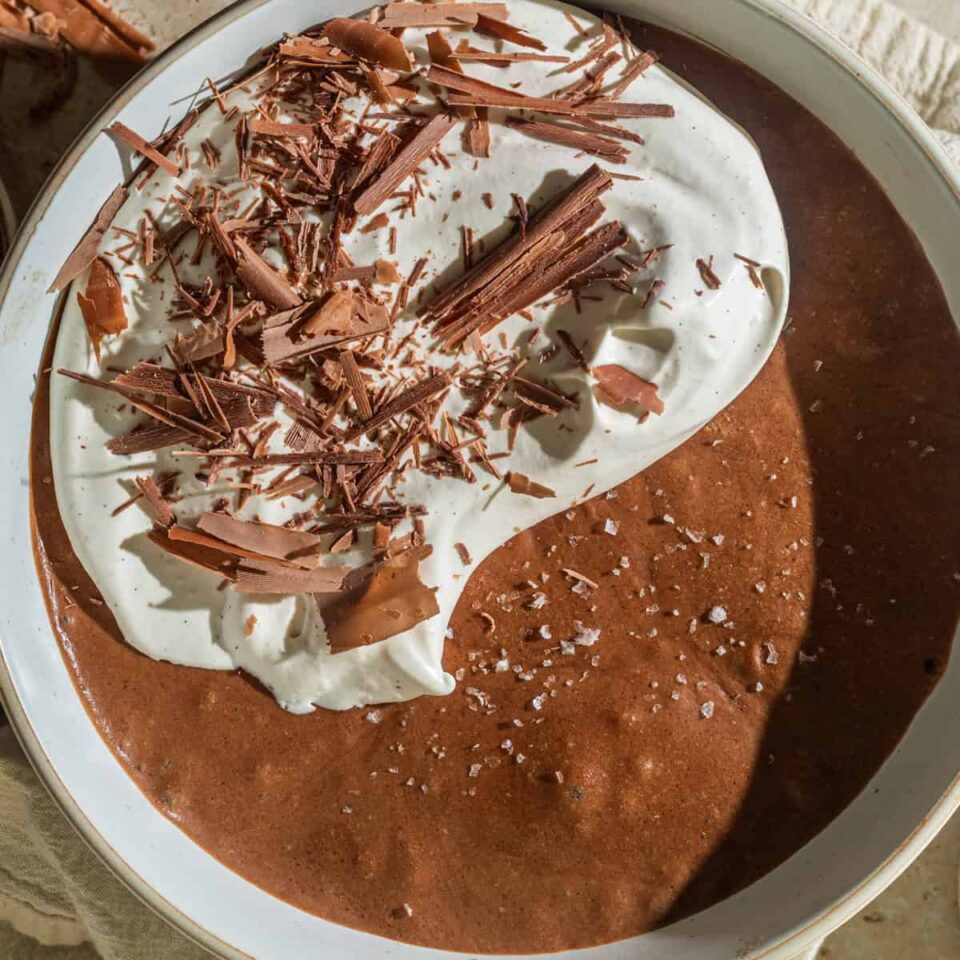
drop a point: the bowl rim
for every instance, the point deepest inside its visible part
(805, 28)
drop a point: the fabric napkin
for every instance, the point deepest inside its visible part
(57, 901)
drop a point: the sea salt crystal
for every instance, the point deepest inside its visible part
(706, 710)
(760, 586)
(538, 701)
(475, 769)
(373, 716)
(545, 631)
(538, 601)
(585, 636)
(717, 615)
(611, 527)
(502, 666)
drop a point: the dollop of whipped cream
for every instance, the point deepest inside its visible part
(696, 187)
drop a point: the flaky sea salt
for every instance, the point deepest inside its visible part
(717, 615)
(706, 710)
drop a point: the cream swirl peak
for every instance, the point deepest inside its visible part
(393, 300)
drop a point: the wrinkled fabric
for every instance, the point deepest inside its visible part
(57, 901)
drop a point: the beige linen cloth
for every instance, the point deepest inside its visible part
(57, 901)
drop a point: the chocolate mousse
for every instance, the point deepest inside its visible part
(653, 687)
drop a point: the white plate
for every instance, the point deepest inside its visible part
(816, 890)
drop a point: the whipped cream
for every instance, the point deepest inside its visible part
(703, 191)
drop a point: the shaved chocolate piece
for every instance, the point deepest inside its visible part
(622, 387)
(597, 49)
(168, 417)
(636, 68)
(351, 457)
(85, 252)
(576, 139)
(400, 15)
(590, 185)
(333, 318)
(207, 341)
(358, 389)
(553, 253)
(274, 128)
(473, 92)
(710, 278)
(521, 483)
(262, 279)
(259, 577)
(386, 272)
(380, 603)
(411, 397)
(263, 539)
(503, 59)
(95, 31)
(541, 397)
(479, 134)
(153, 436)
(378, 222)
(463, 553)
(161, 510)
(136, 142)
(313, 50)
(197, 555)
(369, 42)
(404, 163)
(281, 340)
(101, 304)
(504, 31)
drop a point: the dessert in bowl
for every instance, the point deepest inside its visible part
(373, 343)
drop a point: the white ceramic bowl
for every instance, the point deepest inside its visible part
(802, 900)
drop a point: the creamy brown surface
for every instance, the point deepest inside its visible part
(630, 809)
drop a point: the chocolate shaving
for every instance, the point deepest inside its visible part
(93, 29)
(521, 483)
(463, 553)
(262, 539)
(710, 278)
(552, 253)
(206, 342)
(411, 397)
(576, 139)
(258, 577)
(281, 340)
(621, 387)
(369, 42)
(85, 252)
(478, 136)
(197, 555)
(101, 304)
(351, 373)
(379, 602)
(136, 142)
(490, 27)
(262, 279)
(274, 128)
(333, 318)
(636, 68)
(407, 159)
(153, 436)
(153, 495)
(402, 15)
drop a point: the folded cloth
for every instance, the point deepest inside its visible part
(57, 901)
